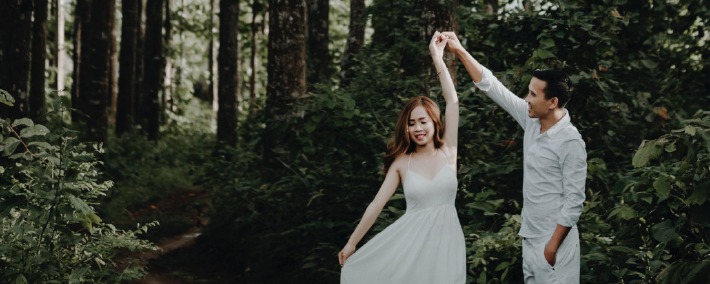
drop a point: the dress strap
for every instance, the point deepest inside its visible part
(445, 157)
(409, 161)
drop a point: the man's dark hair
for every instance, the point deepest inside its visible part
(558, 86)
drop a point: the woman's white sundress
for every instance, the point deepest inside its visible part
(424, 246)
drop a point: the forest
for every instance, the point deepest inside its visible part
(225, 141)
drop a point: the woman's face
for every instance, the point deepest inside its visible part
(421, 127)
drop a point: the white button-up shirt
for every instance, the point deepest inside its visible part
(555, 165)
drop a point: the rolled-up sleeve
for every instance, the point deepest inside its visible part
(574, 176)
(511, 103)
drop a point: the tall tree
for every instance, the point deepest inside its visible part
(82, 15)
(113, 68)
(125, 105)
(60, 49)
(256, 9)
(38, 101)
(140, 66)
(15, 56)
(94, 85)
(286, 71)
(211, 63)
(153, 68)
(228, 71)
(318, 56)
(355, 41)
(167, 89)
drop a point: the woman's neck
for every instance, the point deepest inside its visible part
(426, 149)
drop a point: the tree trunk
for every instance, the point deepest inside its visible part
(212, 62)
(166, 98)
(61, 49)
(228, 71)
(15, 33)
(113, 67)
(440, 16)
(286, 69)
(256, 9)
(318, 56)
(81, 23)
(125, 110)
(138, 118)
(153, 60)
(38, 101)
(355, 41)
(94, 85)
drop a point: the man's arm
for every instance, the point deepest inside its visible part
(574, 176)
(486, 82)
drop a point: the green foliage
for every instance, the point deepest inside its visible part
(666, 197)
(147, 172)
(49, 229)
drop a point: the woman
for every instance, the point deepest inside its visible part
(425, 245)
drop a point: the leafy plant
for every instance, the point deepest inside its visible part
(49, 229)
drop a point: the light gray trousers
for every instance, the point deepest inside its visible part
(537, 270)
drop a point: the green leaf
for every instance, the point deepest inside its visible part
(20, 279)
(662, 184)
(9, 145)
(34, 131)
(7, 99)
(664, 232)
(22, 121)
(647, 151)
(543, 54)
(700, 194)
(670, 148)
(690, 130)
(624, 212)
(649, 64)
(547, 43)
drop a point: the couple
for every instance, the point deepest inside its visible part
(426, 245)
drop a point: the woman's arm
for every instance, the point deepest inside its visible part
(436, 47)
(371, 213)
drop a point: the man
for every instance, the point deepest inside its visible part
(555, 169)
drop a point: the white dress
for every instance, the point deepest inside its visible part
(426, 245)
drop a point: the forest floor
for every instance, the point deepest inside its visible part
(173, 262)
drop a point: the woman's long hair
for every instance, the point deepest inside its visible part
(400, 141)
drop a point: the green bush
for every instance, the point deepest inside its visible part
(49, 229)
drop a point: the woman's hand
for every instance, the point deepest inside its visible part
(437, 45)
(346, 252)
(452, 44)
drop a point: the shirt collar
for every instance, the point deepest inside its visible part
(564, 121)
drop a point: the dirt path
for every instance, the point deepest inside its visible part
(178, 204)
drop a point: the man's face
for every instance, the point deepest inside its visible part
(538, 106)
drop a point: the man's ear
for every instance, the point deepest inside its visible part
(553, 103)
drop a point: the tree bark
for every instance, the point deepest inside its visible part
(15, 33)
(81, 23)
(286, 70)
(113, 67)
(94, 85)
(61, 49)
(140, 66)
(125, 105)
(228, 71)
(440, 16)
(38, 101)
(212, 65)
(256, 9)
(153, 60)
(318, 56)
(355, 41)
(166, 98)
